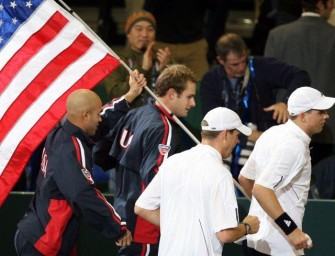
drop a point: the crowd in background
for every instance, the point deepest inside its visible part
(175, 39)
(274, 83)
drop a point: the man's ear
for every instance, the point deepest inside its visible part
(85, 115)
(302, 117)
(220, 60)
(224, 135)
(320, 6)
(172, 94)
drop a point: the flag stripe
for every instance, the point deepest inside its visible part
(69, 77)
(35, 65)
(44, 78)
(19, 157)
(28, 50)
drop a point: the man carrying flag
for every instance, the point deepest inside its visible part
(65, 189)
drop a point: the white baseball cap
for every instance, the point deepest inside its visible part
(307, 98)
(220, 119)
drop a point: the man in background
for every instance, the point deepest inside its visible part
(140, 53)
(248, 86)
(309, 43)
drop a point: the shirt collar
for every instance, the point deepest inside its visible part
(304, 137)
(163, 110)
(74, 130)
(212, 151)
(310, 14)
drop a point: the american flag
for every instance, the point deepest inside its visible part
(45, 54)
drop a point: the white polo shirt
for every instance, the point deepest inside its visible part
(195, 193)
(280, 161)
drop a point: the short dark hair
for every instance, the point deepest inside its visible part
(310, 5)
(211, 135)
(228, 43)
(296, 116)
(174, 76)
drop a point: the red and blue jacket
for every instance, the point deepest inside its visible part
(66, 193)
(141, 141)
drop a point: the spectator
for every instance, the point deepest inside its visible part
(248, 86)
(139, 54)
(140, 142)
(272, 14)
(278, 174)
(194, 193)
(309, 43)
(181, 27)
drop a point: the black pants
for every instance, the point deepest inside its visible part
(136, 249)
(23, 247)
(253, 252)
(250, 251)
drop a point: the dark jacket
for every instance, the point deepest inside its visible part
(65, 193)
(117, 83)
(268, 76)
(140, 143)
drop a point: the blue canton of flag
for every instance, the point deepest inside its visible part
(12, 14)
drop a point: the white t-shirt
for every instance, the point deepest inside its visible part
(280, 161)
(195, 194)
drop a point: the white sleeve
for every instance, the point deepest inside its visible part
(151, 197)
(281, 168)
(223, 205)
(249, 169)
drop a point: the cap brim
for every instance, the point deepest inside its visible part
(244, 129)
(325, 103)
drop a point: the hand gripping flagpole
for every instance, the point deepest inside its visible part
(175, 118)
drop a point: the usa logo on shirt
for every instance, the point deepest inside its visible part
(163, 149)
(87, 175)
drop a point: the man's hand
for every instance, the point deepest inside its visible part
(280, 113)
(136, 82)
(254, 135)
(253, 222)
(148, 56)
(299, 240)
(125, 240)
(163, 57)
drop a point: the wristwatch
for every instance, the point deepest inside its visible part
(247, 228)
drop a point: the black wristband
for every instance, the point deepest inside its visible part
(285, 222)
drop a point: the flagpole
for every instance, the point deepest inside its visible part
(175, 118)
